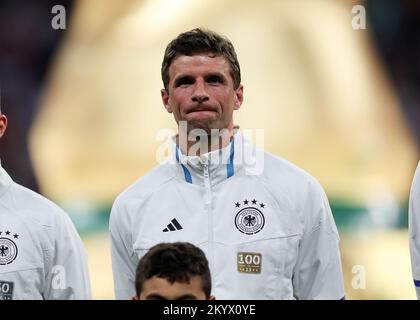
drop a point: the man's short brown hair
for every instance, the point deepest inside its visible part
(201, 41)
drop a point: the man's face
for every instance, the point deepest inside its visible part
(157, 288)
(3, 124)
(201, 92)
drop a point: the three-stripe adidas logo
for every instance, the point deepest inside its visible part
(173, 226)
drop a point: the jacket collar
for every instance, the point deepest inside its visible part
(5, 181)
(221, 163)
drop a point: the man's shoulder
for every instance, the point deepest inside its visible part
(277, 167)
(34, 206)
(146, 185)
(416, 180)
(415, 186)
(293, 186)
(282, 175)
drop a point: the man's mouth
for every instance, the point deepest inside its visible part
(201, 109)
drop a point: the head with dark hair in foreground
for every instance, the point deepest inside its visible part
(173, 271)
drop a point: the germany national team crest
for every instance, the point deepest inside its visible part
(250, 219)
(8, 248)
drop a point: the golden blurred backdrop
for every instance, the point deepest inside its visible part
(312, 82)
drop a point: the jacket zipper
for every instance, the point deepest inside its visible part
(208, 204)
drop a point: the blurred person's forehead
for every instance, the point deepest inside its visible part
(161, 286)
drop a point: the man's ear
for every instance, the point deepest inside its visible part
(3, 124)
(239, 97)
(212, 298)
(165, 100)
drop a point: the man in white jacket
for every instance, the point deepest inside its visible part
(414, 229)
(41, 254)
(265, 225)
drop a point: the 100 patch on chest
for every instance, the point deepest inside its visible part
(249, 262)
(6, 290)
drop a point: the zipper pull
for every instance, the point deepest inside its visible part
(207, 184)
(206, 170)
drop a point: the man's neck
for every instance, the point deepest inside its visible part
(198, 145)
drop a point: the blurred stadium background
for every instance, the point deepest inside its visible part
(84, 109)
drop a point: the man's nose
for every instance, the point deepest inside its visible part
(200, 94)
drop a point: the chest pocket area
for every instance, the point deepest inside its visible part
(277, 253)
(261, 268)
(22, 276)
(22, 261)
(21, 284)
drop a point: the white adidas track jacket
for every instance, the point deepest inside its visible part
(414, 229)
(41, 254)
(267, 234)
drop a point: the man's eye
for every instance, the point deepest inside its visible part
(214, 79)
(184, 81)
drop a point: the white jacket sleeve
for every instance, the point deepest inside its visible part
(414, 229)
(318, 272)
(124, 262)
(67, 276)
